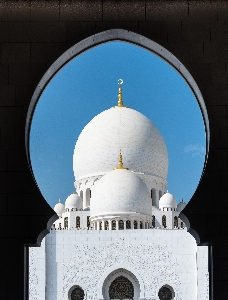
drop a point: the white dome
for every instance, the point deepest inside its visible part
(73, 201)
(99, 143)
(120, 191)
(59, 208)
(181, 206)
(167, 201)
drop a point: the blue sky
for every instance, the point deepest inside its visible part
(86, 86)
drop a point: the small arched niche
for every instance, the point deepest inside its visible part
(166, 292)
(76, 293)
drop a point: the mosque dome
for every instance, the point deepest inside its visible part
(167, 201)
(120, 192)
(59, 208)
(181, 206)
(73, 201)
(118, 128)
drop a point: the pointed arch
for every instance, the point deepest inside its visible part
(93, 41)
(117, 270)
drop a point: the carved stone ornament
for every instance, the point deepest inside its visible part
(152, 262)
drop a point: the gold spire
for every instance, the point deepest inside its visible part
(120, 98)
(120, 164)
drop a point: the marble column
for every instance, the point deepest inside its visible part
(110, 224)
(117, 224)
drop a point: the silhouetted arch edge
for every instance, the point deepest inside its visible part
(108, 36)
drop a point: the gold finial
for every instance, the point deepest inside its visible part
(59, 201)
(120, 164)
(120, 99)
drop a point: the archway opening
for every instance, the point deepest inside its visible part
(121, 284)
(143, 90)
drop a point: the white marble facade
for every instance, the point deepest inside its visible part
(88, 258)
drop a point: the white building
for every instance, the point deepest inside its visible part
(120, 237)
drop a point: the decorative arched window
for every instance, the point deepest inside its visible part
(60, 226)
(140, 224)
(88, 222)
(113, 225)
(182, 225)
(121, 288)
(135, 225)
(153, 197)
(87, 194)
(175, 221)
(121, 224)
(153, 221)
(165, 293)
(78, 222)
(128, 224)
(100, 225)
(66, 222)
(164, 221)
(106, 225)
(81, 195)
(77, 293)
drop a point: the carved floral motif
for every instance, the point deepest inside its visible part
(152, 262)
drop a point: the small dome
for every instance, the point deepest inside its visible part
(120, 191)
(181, 206)
(59, 208)
(167, 201)
(73, 201)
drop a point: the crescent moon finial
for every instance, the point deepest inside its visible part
(120, 81)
